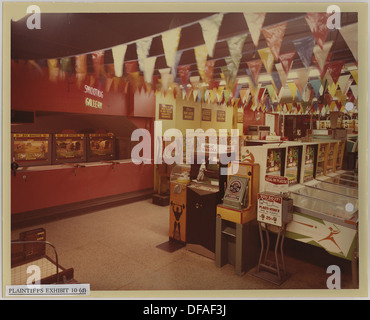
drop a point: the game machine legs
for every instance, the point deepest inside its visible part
(179, 180)
(237, 240)
(273, 214)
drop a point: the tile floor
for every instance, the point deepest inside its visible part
(116, 250)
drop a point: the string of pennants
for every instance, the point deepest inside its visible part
(300, 96)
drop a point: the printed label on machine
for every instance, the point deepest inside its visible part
(269, 209)
(276, 184)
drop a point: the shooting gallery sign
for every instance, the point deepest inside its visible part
(92, 99)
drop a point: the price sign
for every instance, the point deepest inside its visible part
(269, 209)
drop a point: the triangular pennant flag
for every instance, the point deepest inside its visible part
(81, 69)
(149, 64)
(131, 66)
(332, 89)
(321, 54)
(255, 23)
(317, 23)
(170, 42)
(322, 71)
(184, 74)
(335, 69)
(349, 34)
(53, 65)
(267, 59)
(354, 74)
(282, 74)
(271, 91)
(119, 53)
(354, 90)
(201, 58)
(208, 71)
(286, 60)
(302, 77)
(210, 28)
(235, 45)
(343, 82)
(142, 50)
(98, 61)
(276, 81)
(304, 47)
(293, 89)
(274, 37)
(177, 60)
(255, 68)
(166, 78)
(231, 72)
(244, 93)
(316, 85)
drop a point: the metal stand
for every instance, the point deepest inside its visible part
(273, 271)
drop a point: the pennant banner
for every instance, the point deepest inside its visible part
(170, 41)
(267, 58)
(286, 60)
(349, 34)
(98, 61)
(321, 54)
(210, 29)
(142, 50)
(208, 71)
(184, 74)
(255, 23)
(255, 68)
(282, 74)
(317, 23)
(354, 74)
(335, 69)
(316, 85)
(304, 47)
(343, 83)
(235, 45)
(149, 64)
(201, 54)
(119, 53)
(274, 37)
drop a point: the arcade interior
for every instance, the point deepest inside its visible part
(187, 152)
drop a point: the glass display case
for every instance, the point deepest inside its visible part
(293, 164)
(336, 188)
(275, 164)
(309, 162)
(101, 147)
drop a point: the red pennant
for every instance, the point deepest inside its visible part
(286, 60)
(98, 61)
(184, 74)
(299, 86)
(131, 66)
(317, 23)
(274, 37)
(208, 71)
(255, 68)
(335, 69)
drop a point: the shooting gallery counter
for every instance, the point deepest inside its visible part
(38, 191)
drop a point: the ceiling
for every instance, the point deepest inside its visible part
(70, 34)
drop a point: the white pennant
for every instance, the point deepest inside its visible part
(210, 29)
(149, 64)
(343, 83)
(142, 49)
(349, 34)
(118, 59)
(255, 23)
(170, 41)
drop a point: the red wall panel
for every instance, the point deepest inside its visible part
(32, 90)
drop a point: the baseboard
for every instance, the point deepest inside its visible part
(35, 217)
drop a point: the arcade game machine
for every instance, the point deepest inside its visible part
(179, 180)
(293, 163)
(69, 148)
(101, 147)
(31, 149)
(270, 157)
(237, 240)
(203, 194)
